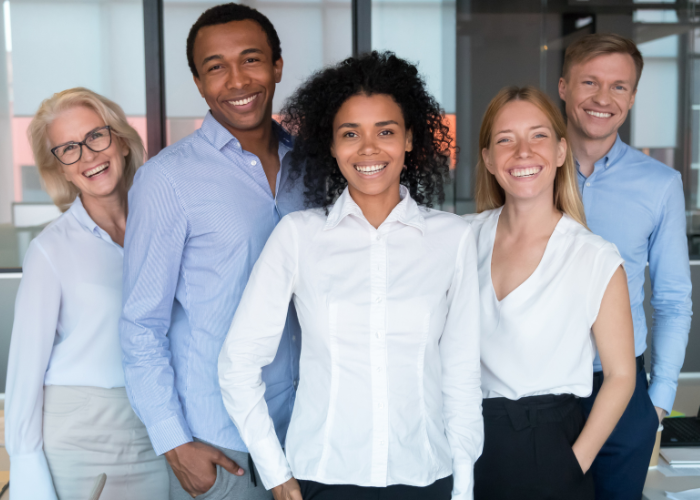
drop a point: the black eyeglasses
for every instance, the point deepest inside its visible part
(96, 141)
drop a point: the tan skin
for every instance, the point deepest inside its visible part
(604, 84)
(367, 131)
(234, 62)
(523, 138)
(104, 195)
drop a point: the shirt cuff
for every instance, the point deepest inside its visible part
(662, 395)
(30, 477)
(169, 433)
(270, 462)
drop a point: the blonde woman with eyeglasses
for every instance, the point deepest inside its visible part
(68, 417)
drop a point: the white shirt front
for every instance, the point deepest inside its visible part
(65, 332)
(390, 389)
(537, 340)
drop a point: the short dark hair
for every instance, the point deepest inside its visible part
(597, 44)
(310, 111)
(226, 13)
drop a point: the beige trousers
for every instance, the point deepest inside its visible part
(91, 430)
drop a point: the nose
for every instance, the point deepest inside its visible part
(368, 146)
(602, 96)
(88, 154)
(238, 78)
(524, 150)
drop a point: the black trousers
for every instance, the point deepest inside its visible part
(527, 450)
(439, 490)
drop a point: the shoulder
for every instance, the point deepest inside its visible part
(446, 220)
(477, 221)
(54, 240)
(304, 223)
(175, 158)
(585, 243)
(651, 169)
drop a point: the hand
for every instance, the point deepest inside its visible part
(194, 465)
(660, 412)
(582, 461)
(288, 490)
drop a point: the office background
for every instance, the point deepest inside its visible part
(133, 51)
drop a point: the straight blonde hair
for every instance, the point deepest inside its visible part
(489, 194)
(62, 192)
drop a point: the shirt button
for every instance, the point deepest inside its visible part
(296, 384)
(253, 162)
(588, 184)
(294, 337)
(379, 369)
(381, 405)
(381, 443)
(379, 334)
(378, 300)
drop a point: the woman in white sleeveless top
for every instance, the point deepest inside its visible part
(68, 418)
(550, 292)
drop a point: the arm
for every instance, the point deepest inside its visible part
(156, 233)
(614, 336)
(33, 333)
(669, 269)
(461, 370)
(252, 343)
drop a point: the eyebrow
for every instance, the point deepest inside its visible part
(378, 124)
(243, 53)
(531, 128)
(591, 77)
(84, 137)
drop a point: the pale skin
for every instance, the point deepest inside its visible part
(367, 131)
(599, 93)
(237, 78)
(524, 140)
(104, 195)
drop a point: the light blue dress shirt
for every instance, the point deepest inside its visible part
(637, 203)
(200, 213)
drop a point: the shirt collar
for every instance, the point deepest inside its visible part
(78, 211)
(407, 211)
(611, 157)
(220, 137)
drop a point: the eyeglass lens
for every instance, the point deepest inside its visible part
(97, 141)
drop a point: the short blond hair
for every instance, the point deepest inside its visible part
(489, 194)
(597, 44)
(62, 192)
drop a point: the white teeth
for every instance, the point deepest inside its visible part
(525, 172)
(94, 171)
(599, 115)
(370, 169)
(243, 102)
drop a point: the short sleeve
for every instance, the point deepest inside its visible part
(605, 262)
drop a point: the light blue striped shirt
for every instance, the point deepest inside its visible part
(637, 203)
(200, 213)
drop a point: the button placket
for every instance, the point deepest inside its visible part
(380, 410)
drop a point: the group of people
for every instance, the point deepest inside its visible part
(275, 310)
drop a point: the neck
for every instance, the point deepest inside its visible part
(529, 217)
(261, 141)
(109, 212)
(587, 151)
(376, 208)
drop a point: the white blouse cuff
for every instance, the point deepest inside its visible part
(270, 462)
(30, 477)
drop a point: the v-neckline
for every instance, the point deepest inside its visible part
(534, 272)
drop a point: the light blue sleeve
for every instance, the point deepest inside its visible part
(669, 268)
(156, 233)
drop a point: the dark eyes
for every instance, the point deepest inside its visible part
(69, 147)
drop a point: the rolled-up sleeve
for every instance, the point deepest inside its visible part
(669, 268)
(252, 343)
(156, 234)
(461, 370)
(33, 334)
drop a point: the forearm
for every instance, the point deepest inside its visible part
(669, 341)
(610, 404)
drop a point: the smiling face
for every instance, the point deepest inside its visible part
(524, 153)
(370, 141)
(237, 76)
(598, 94)
(95, 174)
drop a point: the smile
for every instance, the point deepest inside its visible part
(525, 172)
(97, 170)
(599, 115)
(370, 169)
(243, 102)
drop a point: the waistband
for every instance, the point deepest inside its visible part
(530, 411)
(58, 391)
(640, 366)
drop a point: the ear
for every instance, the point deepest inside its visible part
(277, 68)
(634, 95)
(487, 159)
(561, 152)
(562, 89)
(409, 140)
(124, 147)
(333, 150)
(199, 85)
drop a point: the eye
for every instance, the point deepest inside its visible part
(97, 134)
(620, 88)
(540, 135)
(386, 132)
(69, 147)
(252, 59)
(212, 68)
(588, 82)
(502, 140)
(350, 134)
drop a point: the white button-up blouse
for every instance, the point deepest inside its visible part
(390, 383)
(65, 332)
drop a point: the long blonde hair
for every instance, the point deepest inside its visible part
(62, 192)
(489, 194)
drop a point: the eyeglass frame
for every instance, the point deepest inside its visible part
(83, 143)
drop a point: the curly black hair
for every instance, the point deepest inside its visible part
(225, 13)
(310, 111)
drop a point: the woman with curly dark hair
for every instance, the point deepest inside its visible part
(389, 402)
